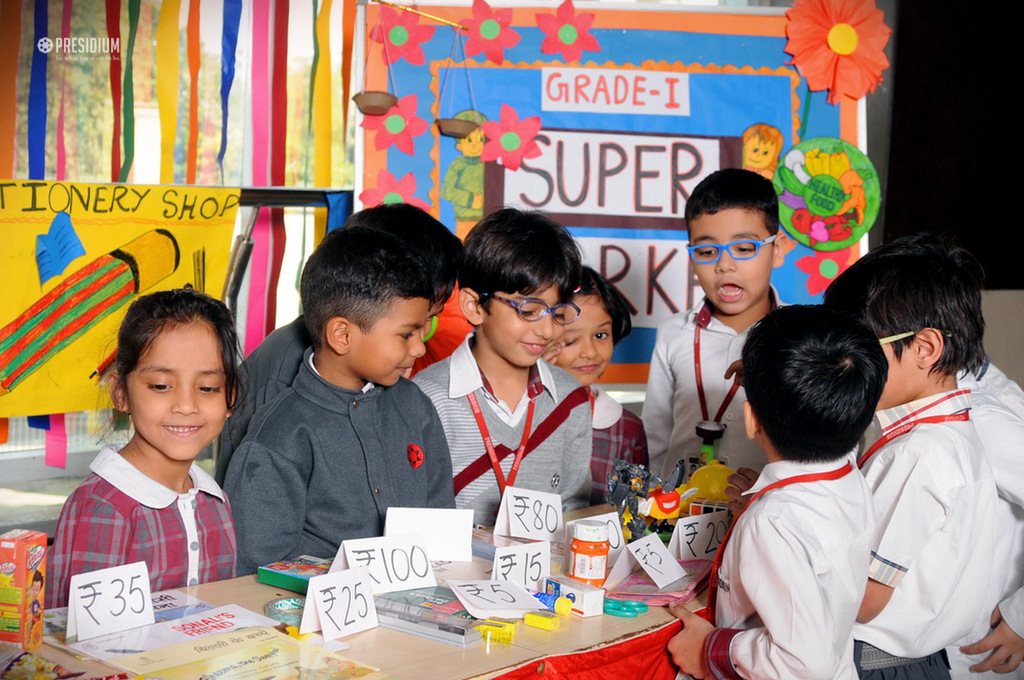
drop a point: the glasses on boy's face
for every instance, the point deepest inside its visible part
(709, 253)
(532, 309)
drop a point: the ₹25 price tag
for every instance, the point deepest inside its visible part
(524, 513)
(342, 604)
(109, 601)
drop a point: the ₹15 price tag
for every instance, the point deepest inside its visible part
(342, 604)
(528, 565)
(524, 513)
(109, 601)
(394, 562)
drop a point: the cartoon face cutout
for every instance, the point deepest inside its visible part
(471, 145)
(759, 154)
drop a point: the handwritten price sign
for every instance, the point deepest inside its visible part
(528, 565)
(655, 560)
(524, 513)
(109, 601)
(394, 562)
(699, 537)
(494, 598)
(342, 604)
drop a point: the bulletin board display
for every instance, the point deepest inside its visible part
(604, 117)
(75, 256)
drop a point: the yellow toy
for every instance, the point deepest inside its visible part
(707, 483)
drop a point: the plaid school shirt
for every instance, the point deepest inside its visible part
(618, 435)
(119, 516)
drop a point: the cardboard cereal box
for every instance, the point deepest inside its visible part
(22, 587)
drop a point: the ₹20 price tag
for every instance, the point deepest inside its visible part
(342, 604)
(109, 601)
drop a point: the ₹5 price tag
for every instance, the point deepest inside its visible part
(342, 604)
(109, 601)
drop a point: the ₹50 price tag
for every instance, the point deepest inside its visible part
(109, 601)
(342, 604)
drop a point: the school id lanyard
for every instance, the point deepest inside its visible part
(700, 382)
(489, 443)
(799, 479)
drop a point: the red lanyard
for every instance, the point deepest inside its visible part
(907, 427)
(700, 382)
(799, 479)
(489, 444)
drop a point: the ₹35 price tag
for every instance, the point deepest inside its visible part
(394, 562)
(525, 513)
(528, 565)
(342, 604)
(109, 601)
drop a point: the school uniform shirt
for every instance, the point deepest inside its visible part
(119, 516)
(935, 511)
(672, 407)
(793, 576)
(1001, 432)
(558, 451)
(618, 435)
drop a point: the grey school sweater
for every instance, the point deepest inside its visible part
(558, 452)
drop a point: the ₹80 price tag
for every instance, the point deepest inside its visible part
(342, 604)
(109, 601)
(524, 513)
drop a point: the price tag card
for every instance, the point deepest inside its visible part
(699, 536)
(342, 604)
(616, 542)
(109, 601)
(652, 555)
(494, 598)
(394, 562)
(528, 565)
(529, 514)
(447, 532)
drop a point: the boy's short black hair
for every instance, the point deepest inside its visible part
(614, 302)
(735, 188)
(520, 252)
(427, 238)
(357, 273)
(915, 282)
(813, 377)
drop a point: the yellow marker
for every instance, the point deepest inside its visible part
(545, 620)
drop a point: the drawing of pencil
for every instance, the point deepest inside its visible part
(80, 301)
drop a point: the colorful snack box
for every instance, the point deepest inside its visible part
(22, 588)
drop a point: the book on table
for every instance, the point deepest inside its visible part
(293, 574)
(433, 613)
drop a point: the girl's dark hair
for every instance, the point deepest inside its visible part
(614, 302)
(150, 315)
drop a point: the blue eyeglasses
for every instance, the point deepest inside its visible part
(709, 253)
(532, 309)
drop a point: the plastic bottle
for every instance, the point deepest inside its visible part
(589, 552)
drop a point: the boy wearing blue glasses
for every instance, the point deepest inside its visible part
(733, 222)
(510, 418)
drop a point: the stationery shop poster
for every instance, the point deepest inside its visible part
(74, 257)
(605, 118)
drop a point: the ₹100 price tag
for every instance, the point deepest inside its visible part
(109, 601)
(341, 604)
(393, 562)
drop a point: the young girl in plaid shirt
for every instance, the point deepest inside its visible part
(585, 351)
(176, 377)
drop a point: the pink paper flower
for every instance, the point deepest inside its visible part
(567, 32)
(511, 140)
(389, 190)
(401, 35)
(398, 126)
(489, 32)
(823, 267)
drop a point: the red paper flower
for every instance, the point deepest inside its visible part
(489, 32)
(837, 45)
(401, 35)
(823, 267)
(567, 32)
(389, 190)
(398, 126)
(511, 140)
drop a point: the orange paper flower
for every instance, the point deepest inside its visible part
(837, 45)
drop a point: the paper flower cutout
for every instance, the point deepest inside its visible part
(567, 32)
(837, 45)
(398, 126)
(511, 140)
(823, 267)
(390, 190)
(489, 32)
(401, 35)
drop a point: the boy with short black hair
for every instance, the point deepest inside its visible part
(732, 219)
(351, 437)
(791, 572)
(932, 487)
(501, 406)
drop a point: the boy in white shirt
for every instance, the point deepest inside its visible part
(932, 573)
(792, 570)
(732, 219)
